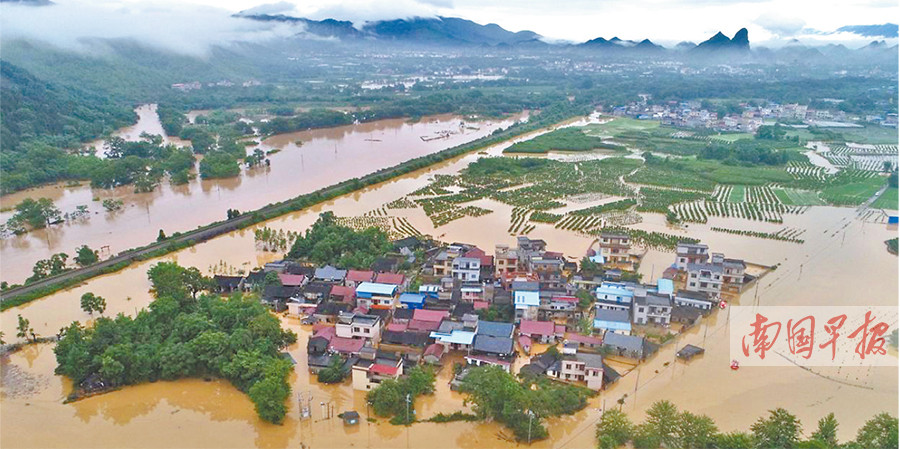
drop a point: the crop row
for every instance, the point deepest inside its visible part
(761, 235)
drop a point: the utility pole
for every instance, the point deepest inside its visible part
(530, 417)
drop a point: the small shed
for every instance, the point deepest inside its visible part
(351, 418)
(689, 351)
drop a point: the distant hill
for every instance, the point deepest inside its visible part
(740, 42)
(439, 30)
(885, 30)
(615, 44)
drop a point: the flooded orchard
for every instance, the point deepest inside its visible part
(302, 162)
(841, 252)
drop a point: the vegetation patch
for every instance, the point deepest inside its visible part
(563, 139)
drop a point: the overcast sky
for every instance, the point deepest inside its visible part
(192, 25)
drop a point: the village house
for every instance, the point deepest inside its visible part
(371, 294)
(314, 292)
(427, 320)
(471, 292)
(693, 299)
(690, 253)
(560, 307)
(330, 274)
(506, 261)
(704, 277)
(442, 264)
(614, 296)
(369, 374)
(652, 308)
(356, 277)
(493, 345)
(579, 367)
(630, 346)
(412, 300)
(538, 331)
(583, 341)
(357, 325)
(615, 248)
(397, 279)
(433, 354)
(227, 284)
(612, 321)
(291, 280)
(329, 311)
(527, 303)
(466, 269)
(343, 293)
(410, 344)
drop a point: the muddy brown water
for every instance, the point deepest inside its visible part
(842, 262)
(326, 157)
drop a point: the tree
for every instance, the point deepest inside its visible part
(43, 268)
(112, 204)
(826, 432)
(24, 328)
(780, 430)
(614, 429)
(35, 213)
(661, 426)
(86, 256)
(735, 440)
(91, 303)
(161, 236)
(585, 299)
(334, 373)
(696, 430)
(879, 432)
(269, 395)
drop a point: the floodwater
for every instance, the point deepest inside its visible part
(842, 262)
(148, 122)
(325, 157)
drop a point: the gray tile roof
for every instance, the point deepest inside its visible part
(629, 343)
(612, 315)
(493, 345)
(495, 329)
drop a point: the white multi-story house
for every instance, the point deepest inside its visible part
(467, 269)
(690, 253)
(705, 277)
(357, 325)
(652, 309)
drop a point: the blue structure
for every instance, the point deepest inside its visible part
(893, 219)
(616, 321)
(412, 300)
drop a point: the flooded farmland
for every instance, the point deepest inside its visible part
(302, 162)
(841, 252)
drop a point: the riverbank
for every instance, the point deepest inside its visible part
(20, 295)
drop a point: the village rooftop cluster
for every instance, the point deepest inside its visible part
(491, 309)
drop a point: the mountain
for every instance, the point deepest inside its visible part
(615, 44)
(885, 30)
(439, 30)
(719, 42)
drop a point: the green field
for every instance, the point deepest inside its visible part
(869, 134)
(731, 137)
(737, 194)
(853, 193)
(619, 126)
(796, 197)
(563, 139)
(888, 200)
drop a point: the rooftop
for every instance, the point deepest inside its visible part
(495, 328)
(390, 278)
(360, 276)
(373, 288)
(493, 345)
(528, 327)
(330, 273)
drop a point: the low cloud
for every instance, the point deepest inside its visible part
(779, 25)
(271, 8)
(180, 28)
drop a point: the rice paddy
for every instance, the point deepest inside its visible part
(887, 200)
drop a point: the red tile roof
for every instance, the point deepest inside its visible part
(420, 325)
(291, 280)
(343, 292)
(584, 339)
(359, 276)
(560, 329)
(346, 345)
(481, 305)
(527, 327)
(397, 327)
(384, 370)
(564, 298)
(323, 330)
(524, 342)
(434, 349)
(430, 315)
(390, 278)
(478, 253)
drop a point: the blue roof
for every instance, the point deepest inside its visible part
(413, 298)
(612, 320)
(612, 325)
(609, 290)
(665, 286)
(374, 288)
(495, 328)
(527, 298)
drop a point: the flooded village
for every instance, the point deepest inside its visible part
(425, 305)
(308, 225)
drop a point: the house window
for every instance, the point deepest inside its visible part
(356, 329)
(641, 309)
(366, 330)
